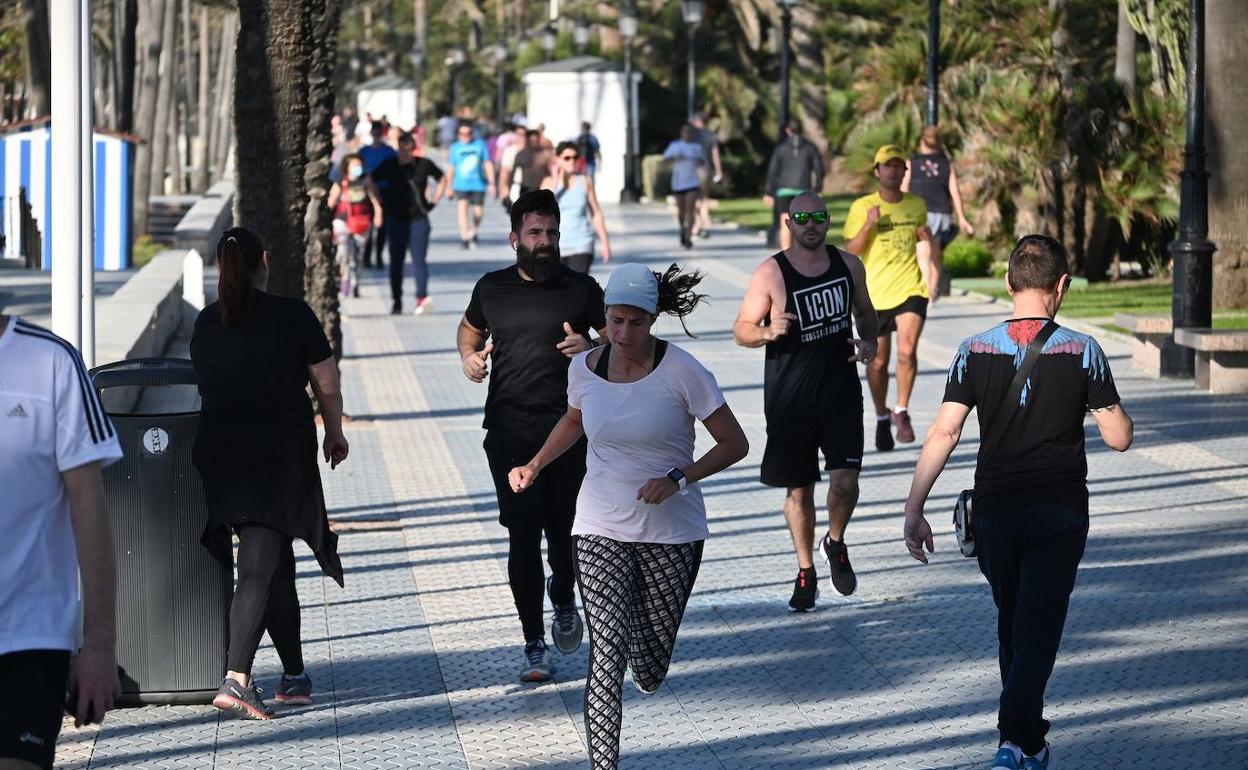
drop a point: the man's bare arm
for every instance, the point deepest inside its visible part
(865, 321)
(1116, 426)
(761, 296)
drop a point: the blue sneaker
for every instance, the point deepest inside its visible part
(1035, 763)
(1008, 758)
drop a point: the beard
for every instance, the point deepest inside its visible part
(542, 265)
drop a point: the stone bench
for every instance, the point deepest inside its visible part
(1221, 358)
(1150, 333)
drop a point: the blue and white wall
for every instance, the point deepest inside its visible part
(26, 161)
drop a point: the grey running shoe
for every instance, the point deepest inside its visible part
(805, 591)
(843, 578)
(539, 664)
(905, 431)
(566, 629)
(294, 691)
(232, 696)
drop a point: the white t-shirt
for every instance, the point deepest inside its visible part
(50, 421)
(638, 431)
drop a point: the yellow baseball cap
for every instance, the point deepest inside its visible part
(889, 152)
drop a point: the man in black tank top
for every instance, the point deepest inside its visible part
(798, 305)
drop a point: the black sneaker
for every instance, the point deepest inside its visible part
(463, 245)
(232, 696)
(805, 591)
(396, 308)
(843, 578)
(294, 691)
(566, 629)
(884, 435)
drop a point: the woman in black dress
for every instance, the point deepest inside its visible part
(255, 354)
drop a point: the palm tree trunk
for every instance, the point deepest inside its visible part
(223, 132)
(203, 122)
(321, 279)
(165, 109)
(1226, 127)
(39, 56)
(151, 20)
(125, 19)
(1124, 51)
(271, 105)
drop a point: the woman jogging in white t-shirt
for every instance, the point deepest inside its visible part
(640, 519)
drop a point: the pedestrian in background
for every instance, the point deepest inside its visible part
(58, 574)
(589, 150)
(373, 155)
(471, 178)
(1030, 505)
(408, 203)
(357, 210)
(710, 172)
(795, 167)
(686, 157)
(932, 177)
(580, 216)
(641, 520)
(255, 354)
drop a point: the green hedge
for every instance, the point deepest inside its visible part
(966, 258)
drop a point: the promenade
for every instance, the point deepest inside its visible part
(415, 662)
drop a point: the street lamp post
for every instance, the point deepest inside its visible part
(628, 31)
(455, 59)
(786, 31)
(418, 66)
(550, 38)
(933, 61)
(1192, 251)
(691, 10)
(500, 56)
(580, 33)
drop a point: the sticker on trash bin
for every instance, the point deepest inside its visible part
(156, 441)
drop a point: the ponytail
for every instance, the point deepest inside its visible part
(240, 255)
(676, 294)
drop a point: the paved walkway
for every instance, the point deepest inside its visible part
(415, 662)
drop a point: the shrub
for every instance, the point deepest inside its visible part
(965, 258)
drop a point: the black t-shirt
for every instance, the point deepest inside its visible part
(404, 194)
(929, 179)
(807, 371)
(529, 376)
(531, 168)
(259, 367)
(1040, 456)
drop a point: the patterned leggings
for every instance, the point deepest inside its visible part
(634, 596)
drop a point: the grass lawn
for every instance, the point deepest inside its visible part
(750, 212)
(1102, 300)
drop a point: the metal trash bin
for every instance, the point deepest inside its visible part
(173, 596)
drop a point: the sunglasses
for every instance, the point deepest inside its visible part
(802, 217)
(568, 157)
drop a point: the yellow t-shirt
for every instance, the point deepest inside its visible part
(893, 274)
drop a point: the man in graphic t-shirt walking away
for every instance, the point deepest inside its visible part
(471, 175)
(1030, 513)
(54, 438)
(883, 228)
(798, 305)
(529, 320)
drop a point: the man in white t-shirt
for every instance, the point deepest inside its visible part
(54, 438)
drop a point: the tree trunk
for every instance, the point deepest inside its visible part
(151, 20)
(811, 107)
(39, 56)
(223, 132)
(1124, 51)
(321, 280)
(125, 20)
(1226, 129)
(203, 123)
(271, 105)
(166, 110)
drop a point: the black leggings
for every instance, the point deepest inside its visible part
(635, 596)
(265, 600)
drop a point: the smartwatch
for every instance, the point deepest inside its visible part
(676, 475)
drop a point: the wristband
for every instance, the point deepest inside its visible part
(677, 476)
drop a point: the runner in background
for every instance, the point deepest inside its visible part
(580, 215)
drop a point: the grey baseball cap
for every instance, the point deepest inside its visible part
(634, 285)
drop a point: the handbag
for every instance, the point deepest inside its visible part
(964, 508)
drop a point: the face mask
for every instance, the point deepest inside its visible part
(356, 172)
(541, 265)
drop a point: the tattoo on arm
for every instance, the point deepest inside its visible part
(1110, 408)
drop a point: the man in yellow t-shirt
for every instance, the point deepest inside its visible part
(884, 228)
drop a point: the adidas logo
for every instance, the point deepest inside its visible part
(18, 411)
(32, 739)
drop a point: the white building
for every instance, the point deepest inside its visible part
(563, 93)
(390, 96)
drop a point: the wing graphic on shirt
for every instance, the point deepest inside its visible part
(1008, 339)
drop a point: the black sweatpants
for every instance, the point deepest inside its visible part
(265, 600)
(1030, 554)
(548, 508)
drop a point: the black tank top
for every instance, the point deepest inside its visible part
(807, 367)
(929, 179)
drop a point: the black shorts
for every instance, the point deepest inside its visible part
(888, 318)
(552, 498)
(475, 198)
(30, 722)
(791, 457)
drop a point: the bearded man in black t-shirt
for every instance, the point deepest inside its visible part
(536, 315)
(1031, 491)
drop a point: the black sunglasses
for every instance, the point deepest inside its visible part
(802, 217)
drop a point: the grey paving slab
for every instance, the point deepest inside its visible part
(415, 662)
